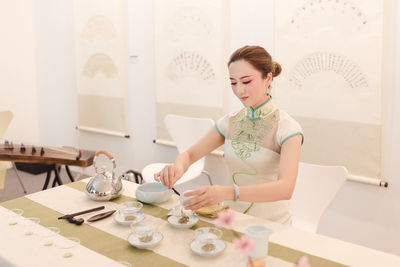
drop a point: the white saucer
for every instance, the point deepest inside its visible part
(134, 241)
(119, 218)
(174, 221)
(196, 247)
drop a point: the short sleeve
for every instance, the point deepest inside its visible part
(287, 128)
(222, 125)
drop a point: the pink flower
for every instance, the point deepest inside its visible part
(225, 218)
(244, 244)
(303, 262)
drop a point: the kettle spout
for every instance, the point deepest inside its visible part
(124, 176)
(116, 183)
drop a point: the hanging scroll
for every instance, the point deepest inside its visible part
(101, 67)
(190, 59)
(331, 53)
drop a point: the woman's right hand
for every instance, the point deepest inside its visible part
(168, 175)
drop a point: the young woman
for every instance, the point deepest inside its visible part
(261, 145)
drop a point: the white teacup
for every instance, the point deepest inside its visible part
(67, 245)
(14, 216)
(129, 209)
(47, 235)
(143, 232)
(30, 225)
(207, 234)
(183, 198)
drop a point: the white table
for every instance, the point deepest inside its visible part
(104, 241)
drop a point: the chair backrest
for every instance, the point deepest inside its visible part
(5, 119)
(315, 189)
(185, 131)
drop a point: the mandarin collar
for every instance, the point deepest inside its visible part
(262, 111)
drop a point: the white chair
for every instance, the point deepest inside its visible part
(315, 189)
(5, 120)
(185, 131)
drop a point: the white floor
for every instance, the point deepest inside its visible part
(32, 183)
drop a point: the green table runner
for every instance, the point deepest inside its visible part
(274, 250)
(97, 240)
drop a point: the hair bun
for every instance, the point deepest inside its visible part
(276, 69)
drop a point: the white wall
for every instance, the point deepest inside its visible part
(366, 214)
(251, 23)
(361, 213)
(17, 70)
(58, 104)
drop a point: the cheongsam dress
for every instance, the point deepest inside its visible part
(253, 141)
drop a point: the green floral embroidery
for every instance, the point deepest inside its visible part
(248, 134)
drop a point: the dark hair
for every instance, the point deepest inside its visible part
(259, 58)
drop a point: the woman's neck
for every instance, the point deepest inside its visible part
(265, 100)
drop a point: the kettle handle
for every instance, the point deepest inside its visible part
(108, 154)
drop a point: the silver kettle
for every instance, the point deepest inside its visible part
(104, 185)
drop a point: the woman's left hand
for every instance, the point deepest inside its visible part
(206, 196)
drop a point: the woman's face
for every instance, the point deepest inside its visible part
(248, 84)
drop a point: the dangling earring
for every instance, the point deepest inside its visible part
(270, 87)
